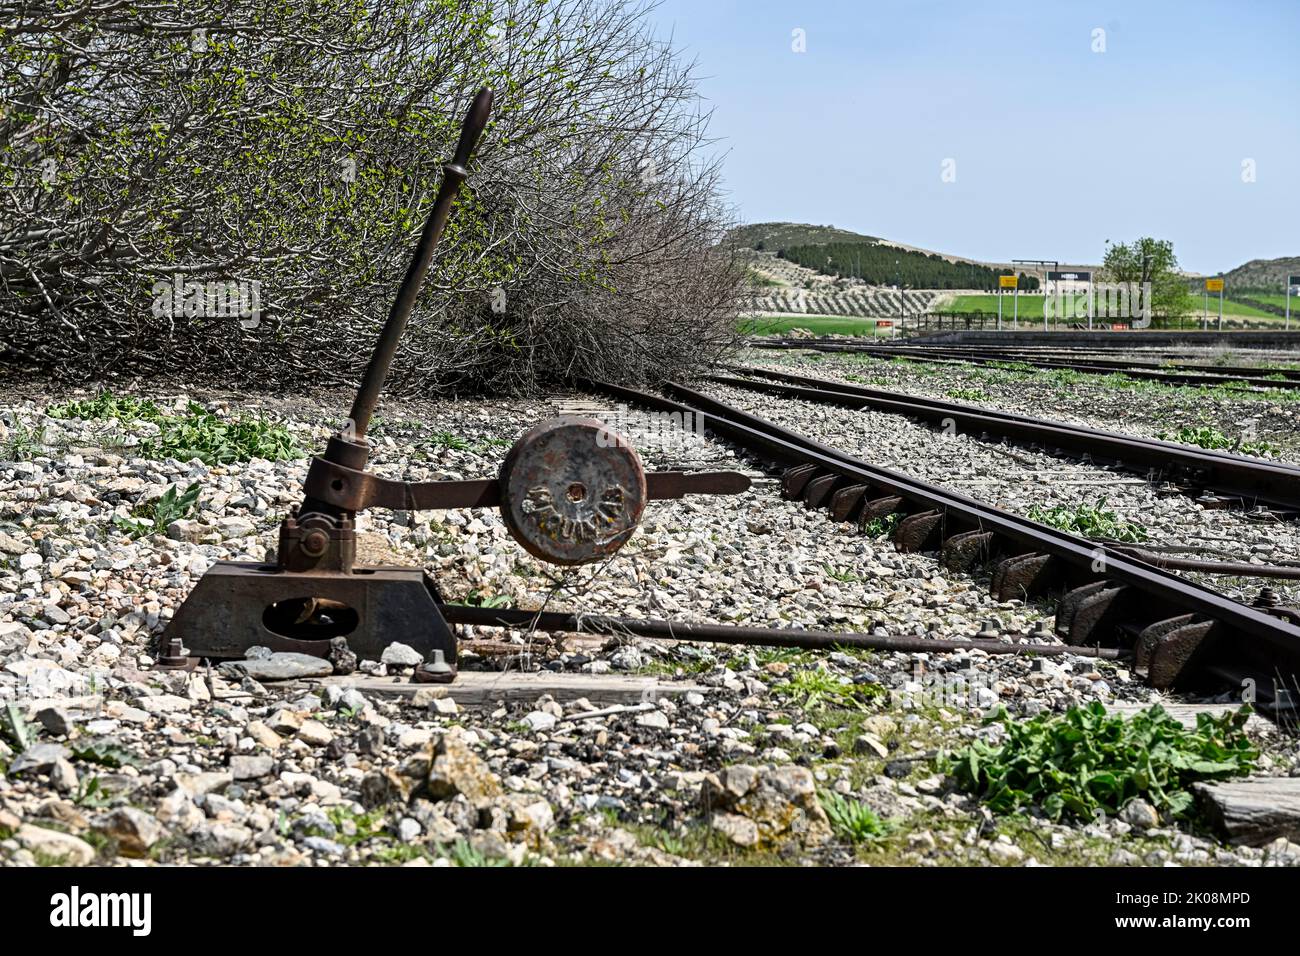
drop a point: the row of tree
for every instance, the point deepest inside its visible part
(879, 264)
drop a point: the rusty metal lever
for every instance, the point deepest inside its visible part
(353, 490)
(453, 174)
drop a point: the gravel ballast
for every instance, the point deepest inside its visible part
(112, 761)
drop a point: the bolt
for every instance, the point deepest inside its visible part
(436, 670)
(174, 655)
(1267, 597)
(314, 543)
(991, 629)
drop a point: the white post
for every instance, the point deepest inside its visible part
(999, 308)
(1288, 304)
(1089, 304)
(1220, 309)
(1015, 307)
(1205, 310)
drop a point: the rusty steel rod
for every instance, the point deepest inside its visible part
(453, 175)
(1235, 568)
(760, 636)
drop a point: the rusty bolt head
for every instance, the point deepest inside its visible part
(314, 542)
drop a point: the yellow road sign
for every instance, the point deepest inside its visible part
(1007, 282)
(1213, 285)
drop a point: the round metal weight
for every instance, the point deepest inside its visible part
(572, 490)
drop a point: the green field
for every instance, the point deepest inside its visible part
(1230, 307)
(1277, 299)
(818, 324)
(1031, 306)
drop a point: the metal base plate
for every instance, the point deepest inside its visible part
(237, 605)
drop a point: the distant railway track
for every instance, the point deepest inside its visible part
(1173, 375)
(1089, 354)
(1179, 634)
(1215, 478)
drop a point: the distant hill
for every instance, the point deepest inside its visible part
(775, 236)
(1263, 275)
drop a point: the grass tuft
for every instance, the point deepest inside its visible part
(852, 819)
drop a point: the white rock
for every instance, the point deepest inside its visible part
(55, 845)
(540, 720)
(164, 704)
(400, 655)
(655, 720)
(315, 733)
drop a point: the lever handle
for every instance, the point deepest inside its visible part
(453, 174)
(475, 121)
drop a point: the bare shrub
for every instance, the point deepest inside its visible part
(296, 145)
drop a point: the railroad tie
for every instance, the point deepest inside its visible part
(914, 531)
(819, 489)
(1069, 604)
(964, 550)
(795, 479)
(846, 501)
(1024, 575)
(1097, 615)
(879, 507)
(1169, 654)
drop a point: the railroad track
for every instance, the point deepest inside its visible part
(1253, 378)
(1180, 635)
(1090, 355)
(1216, 479)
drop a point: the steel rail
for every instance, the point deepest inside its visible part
(763, 636)
(1241, 569)
(1272, 644)
(1254, 480)
(1089, 355)
(937, 356)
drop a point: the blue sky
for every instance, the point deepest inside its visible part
(1057, 148)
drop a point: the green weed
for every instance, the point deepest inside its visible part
(814, 689)
(153, 517)
(482, 598)
(462, 854)
(14, 726)
(24, 443)
(1089, 521)
(1205, 436)
(852, 819)
(1086, 760)
(883, 526)
(844, 577)
(196, 433)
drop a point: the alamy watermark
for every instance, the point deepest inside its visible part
(74, 909)
(214, 299)
(951, 691)
(1120, 301)
(645, 430)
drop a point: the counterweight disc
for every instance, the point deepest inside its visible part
(572, 490)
